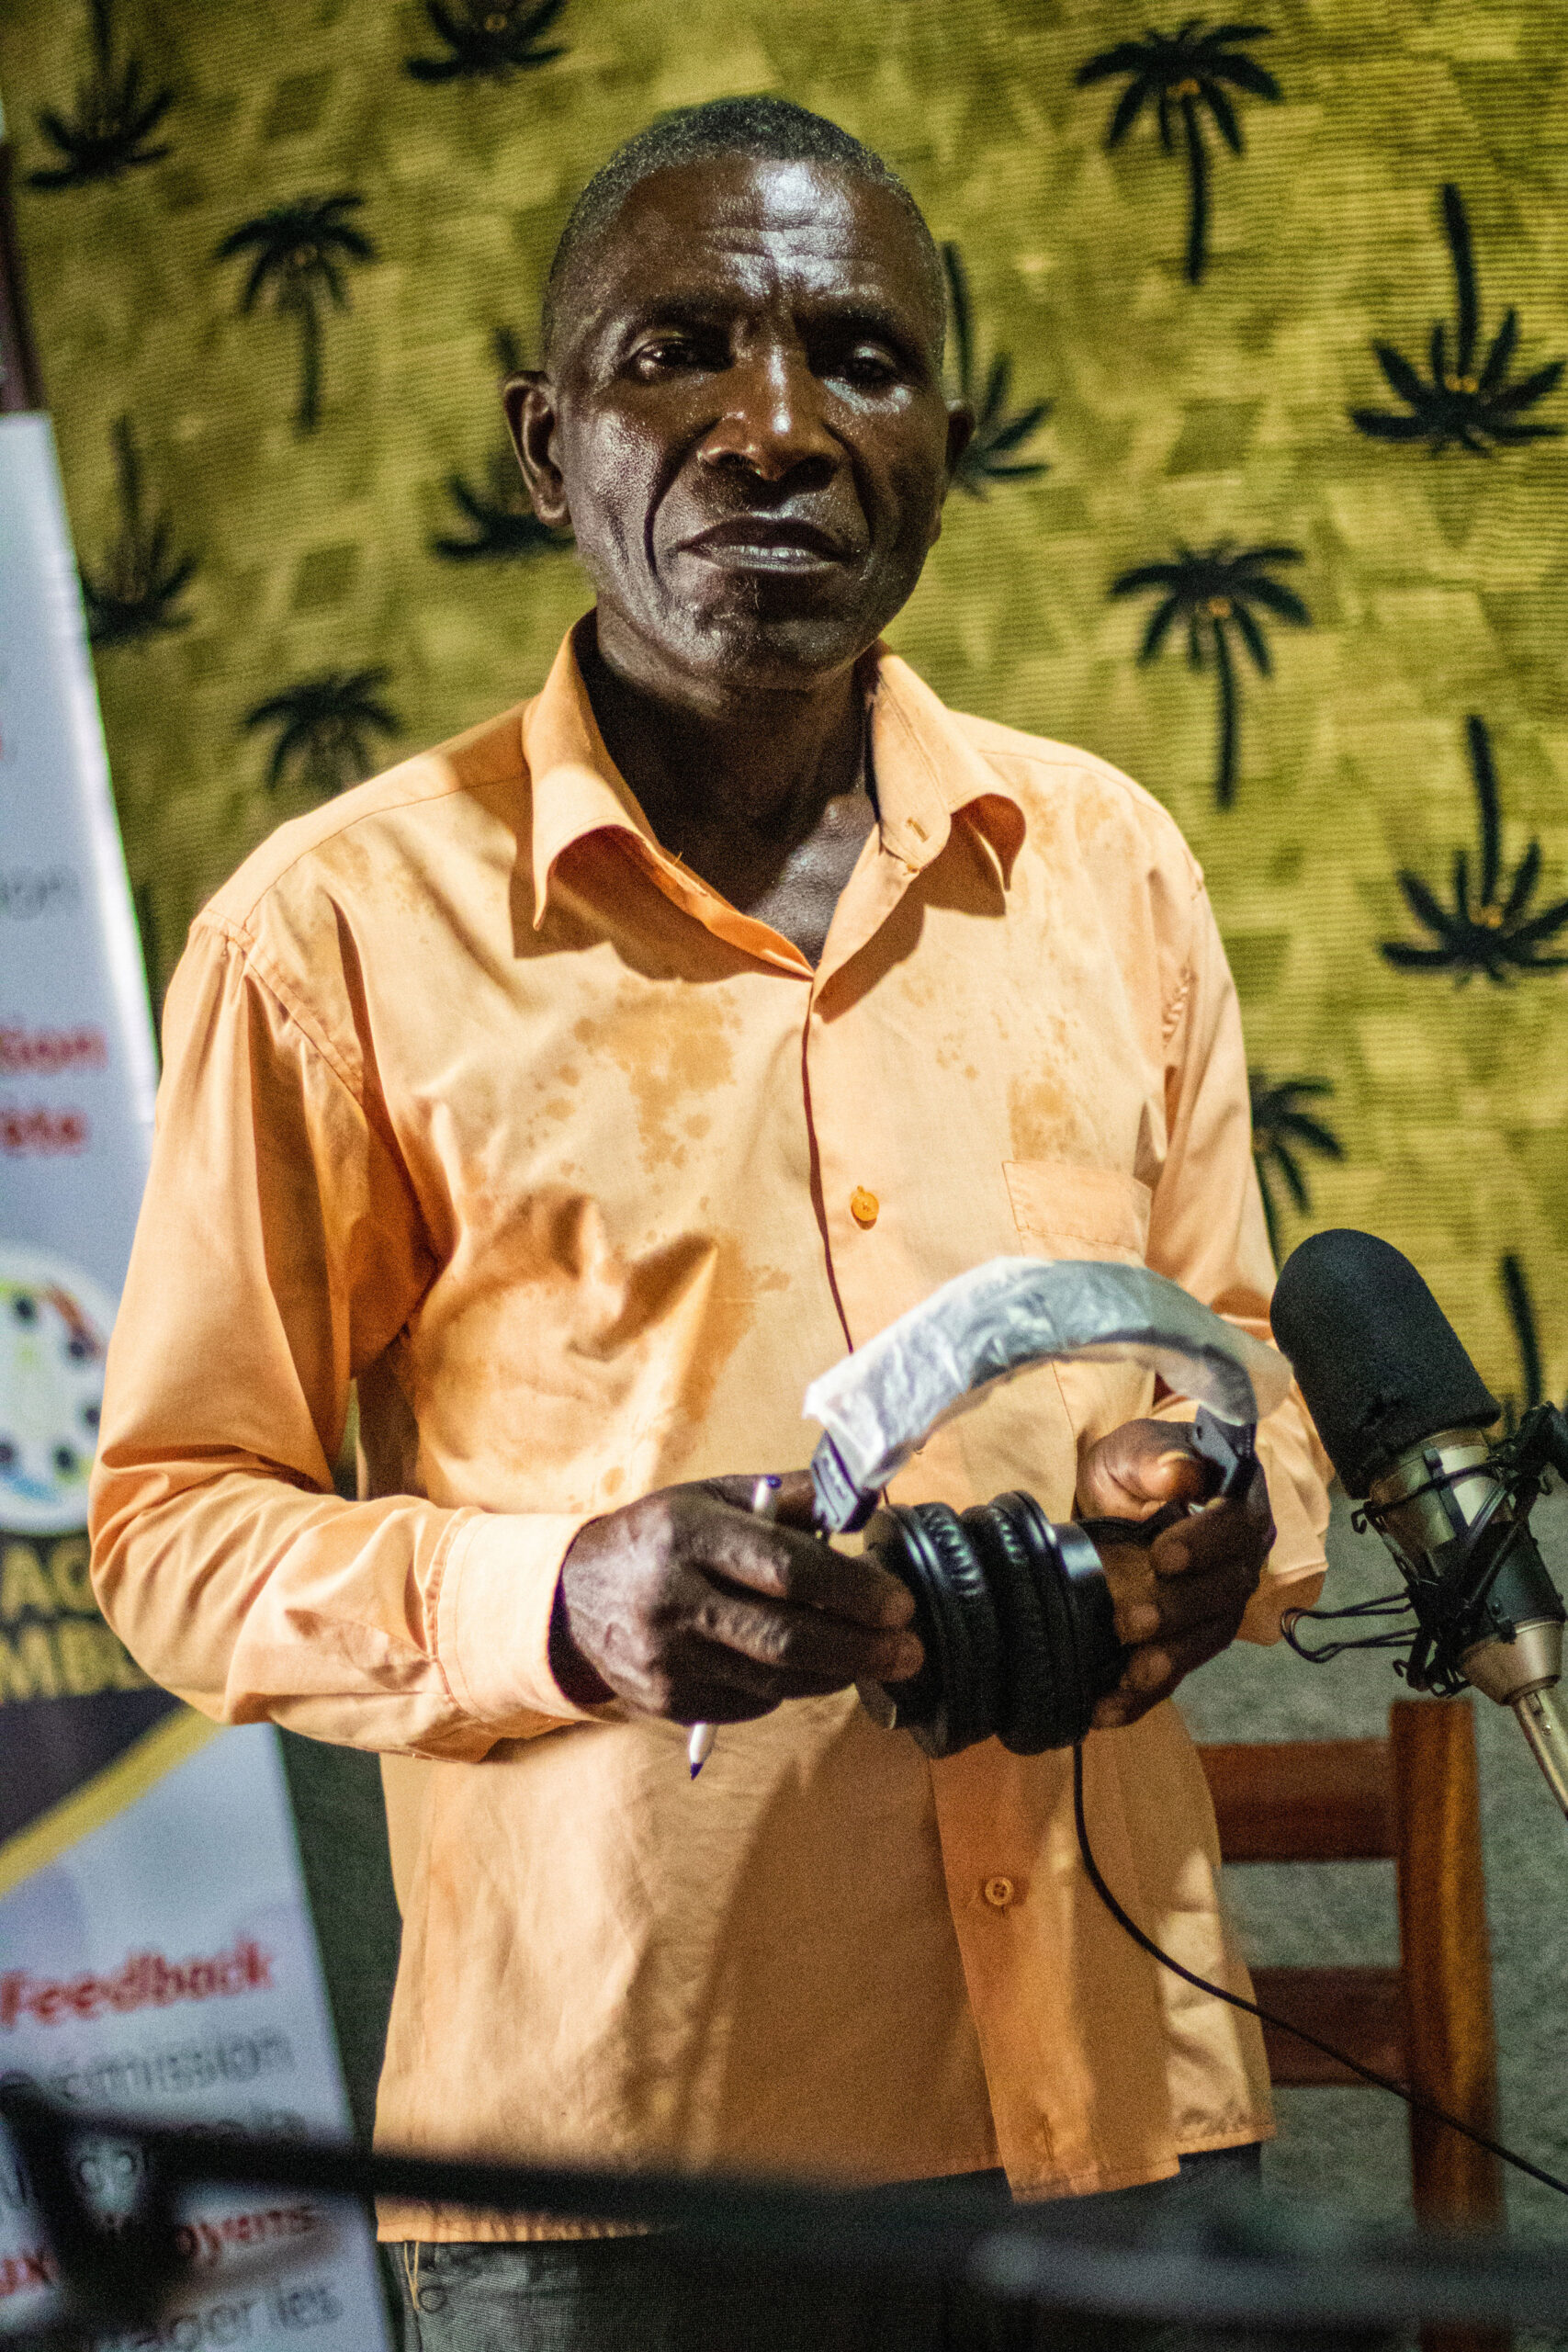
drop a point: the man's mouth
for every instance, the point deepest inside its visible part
(768, 543)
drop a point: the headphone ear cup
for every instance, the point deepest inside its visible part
(1085, 1658)
(948, 1705)
(1059, 1715)
(1092, 1656)
(1017, 1622)
(1025, 1652)
(969, 1631)
(894, 1535)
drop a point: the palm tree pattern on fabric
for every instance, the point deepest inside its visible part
(1185, 71)
(1515, 1289)
(300, 252)
(995, 452)
(499, 516)
(323, 729)
(487, 39)
(1212, 590)
(1464, 406)
(109, 132)
(137, 590)
(1493, 932)
(1282, 1130)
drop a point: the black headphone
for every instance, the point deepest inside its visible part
(1014, 1610)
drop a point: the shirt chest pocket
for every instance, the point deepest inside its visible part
(1065, 1212)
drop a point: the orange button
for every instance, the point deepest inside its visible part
(864, 1207)
(999, 1893)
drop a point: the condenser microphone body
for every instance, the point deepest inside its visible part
(1402, 1412)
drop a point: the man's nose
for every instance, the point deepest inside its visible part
(773, 421)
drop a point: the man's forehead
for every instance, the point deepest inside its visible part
(724, 216)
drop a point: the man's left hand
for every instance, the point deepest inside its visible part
(1179, 1600)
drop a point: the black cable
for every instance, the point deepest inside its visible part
(1416, 2099)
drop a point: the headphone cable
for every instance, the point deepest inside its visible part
(1413, 2098)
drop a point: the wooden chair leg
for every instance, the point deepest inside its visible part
(1445, 1951)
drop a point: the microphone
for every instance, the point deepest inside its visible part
(1402, 1412)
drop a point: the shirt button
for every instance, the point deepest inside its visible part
(864, 1207)
(999, 1893)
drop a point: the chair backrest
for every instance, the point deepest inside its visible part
(1413, 1799)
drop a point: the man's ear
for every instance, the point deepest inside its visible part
(960, 432)
(529, 401)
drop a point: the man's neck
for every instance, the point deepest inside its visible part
(761, 766)
(765, 797)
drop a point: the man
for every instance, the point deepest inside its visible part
(581, 1091)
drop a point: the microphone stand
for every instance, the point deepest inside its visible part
(1541, 1718)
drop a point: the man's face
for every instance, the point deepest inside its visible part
(743, 421)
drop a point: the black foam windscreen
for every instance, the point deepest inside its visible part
(1378, 1362)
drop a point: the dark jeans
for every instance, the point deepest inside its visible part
(648, 2294)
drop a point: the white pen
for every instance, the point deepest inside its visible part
(699, 1747)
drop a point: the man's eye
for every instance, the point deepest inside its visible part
(669, 354)
(867, 368)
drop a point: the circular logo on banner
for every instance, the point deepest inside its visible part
(55, 1328)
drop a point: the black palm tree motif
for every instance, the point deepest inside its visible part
(324, 726)
(1495, 933)
(487, 39)
(1187, 70)
(1521, 1315)
(137, 591)
(991, 455)
(300, 251)
(1213, 590)
(1280, 1130)
(109, 132)
(499, 516)
(1463, 404)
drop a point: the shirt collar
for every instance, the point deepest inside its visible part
(925, 768)
(928, 772)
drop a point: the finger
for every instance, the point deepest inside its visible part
(1155, 1669)
(794, 1500)
(791, 1498)
(734, 1702)
(1219, 1533)
(1134, 1599)
(1182, 1604)
(804, 1642)
(1151, 1608)
(1135, 1469)
(791, 1566)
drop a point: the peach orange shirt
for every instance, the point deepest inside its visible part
(476, 1097)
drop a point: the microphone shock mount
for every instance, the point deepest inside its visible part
(1454, 1512)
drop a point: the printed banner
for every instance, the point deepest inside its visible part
(156, 1953)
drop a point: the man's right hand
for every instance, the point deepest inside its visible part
(686, 1605)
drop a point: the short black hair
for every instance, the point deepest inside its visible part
(771, 130)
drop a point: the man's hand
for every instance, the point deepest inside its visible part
(686, 1605)
(1179, 1600)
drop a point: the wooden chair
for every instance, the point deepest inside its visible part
(1413, 1799)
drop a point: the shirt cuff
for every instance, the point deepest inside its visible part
(493, 1622)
